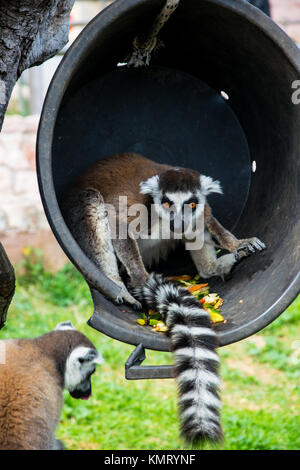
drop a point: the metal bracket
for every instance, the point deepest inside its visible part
(134, 370)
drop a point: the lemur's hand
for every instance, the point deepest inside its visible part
(247, 247)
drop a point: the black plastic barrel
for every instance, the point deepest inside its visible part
(216, 97)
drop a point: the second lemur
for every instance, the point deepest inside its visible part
(33, 374)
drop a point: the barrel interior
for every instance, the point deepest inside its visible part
(227, 48)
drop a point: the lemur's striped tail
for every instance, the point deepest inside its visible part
(196, 361)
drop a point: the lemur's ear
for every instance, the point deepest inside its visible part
(65, 325)
(208, 185)
(150, 186)
(90, 355)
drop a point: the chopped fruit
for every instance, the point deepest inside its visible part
(210, 302)
(196, 287)
(161, 326)
(216, 317)
(185, 277)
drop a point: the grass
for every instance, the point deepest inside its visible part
(261, 391)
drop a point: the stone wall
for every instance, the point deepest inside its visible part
(22, 219)
(287, 14)
(20, 207)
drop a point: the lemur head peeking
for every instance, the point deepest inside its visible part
(80, 363)
(179, 195)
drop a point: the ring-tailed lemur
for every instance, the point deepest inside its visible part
(33, 374)
(165, 192)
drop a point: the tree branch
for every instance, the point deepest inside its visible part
(7, 284)
(31, 31)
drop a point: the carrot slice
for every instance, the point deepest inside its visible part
(152, 312)
(184, 277)
(196, 287)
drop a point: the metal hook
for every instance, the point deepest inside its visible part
(134, 370)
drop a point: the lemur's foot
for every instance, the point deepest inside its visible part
(248, 247)
(124, 296)
(224, 265)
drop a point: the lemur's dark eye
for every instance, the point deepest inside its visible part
(166, 202)
(192, 202)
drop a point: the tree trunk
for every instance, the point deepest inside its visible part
(31, 31)
(7, 285)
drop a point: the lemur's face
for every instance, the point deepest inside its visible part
(80, 366)
(180, 209)
(179, 197)
(80, 363)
